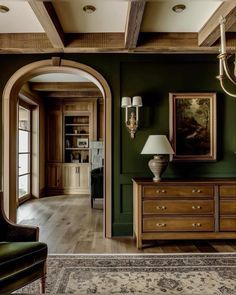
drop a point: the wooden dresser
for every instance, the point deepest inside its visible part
(184, 209)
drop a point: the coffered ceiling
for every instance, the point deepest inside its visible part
(19, 19)
(110, 16)
(61, 85)
(115, 26)
(159, 16)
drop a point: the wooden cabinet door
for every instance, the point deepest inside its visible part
(71, 176)
(54, 133)
(54, 176)
(75, 178)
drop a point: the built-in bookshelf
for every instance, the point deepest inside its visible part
(77, 135)
(71, 126)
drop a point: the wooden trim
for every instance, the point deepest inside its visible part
(42, 192)
(62, 86)
(24, 199)
(56, 61)
(133, 22)
(10, 94)
(187, 181)
(189, 235)
(67, 94)
(217, 209)
(35, 103)
(25, 102)
(47, 16)
(210, 32)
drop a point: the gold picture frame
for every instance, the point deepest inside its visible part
(192, 126)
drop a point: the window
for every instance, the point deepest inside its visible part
(24, 152)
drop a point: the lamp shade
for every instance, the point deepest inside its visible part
(137, 101)
(126, 102)
(157, 145)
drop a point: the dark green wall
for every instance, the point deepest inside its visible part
(152, 77)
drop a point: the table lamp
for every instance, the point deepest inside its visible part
(158, 145)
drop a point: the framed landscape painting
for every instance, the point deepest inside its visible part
(193, 126)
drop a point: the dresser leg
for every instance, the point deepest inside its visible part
(139, 243)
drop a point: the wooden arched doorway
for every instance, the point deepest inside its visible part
(10, 97)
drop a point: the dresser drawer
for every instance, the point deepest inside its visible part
(228, 206)
(228, 224)
(228, 190)
(166, 224)
(178, 191)
(178, 207)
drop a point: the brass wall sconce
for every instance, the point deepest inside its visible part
(132, 116)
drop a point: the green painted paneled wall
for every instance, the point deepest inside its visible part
(152, 77)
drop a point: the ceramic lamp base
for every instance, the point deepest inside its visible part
(158, 165)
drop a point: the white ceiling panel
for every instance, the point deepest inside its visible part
(159, 16)
(59, 77)
(110, 16)
(19, 19)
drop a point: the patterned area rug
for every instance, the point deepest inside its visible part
(205, 274)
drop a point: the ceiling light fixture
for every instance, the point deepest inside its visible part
(224, 70)
(4, 9)
(89, 9)
(179, 8)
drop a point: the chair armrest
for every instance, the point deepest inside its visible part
(21, 233)
(16, 232)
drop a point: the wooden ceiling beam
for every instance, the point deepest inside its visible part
(63, 86)
(210, 32)
(133, 22)
(81, 94)
(94, 42)
(177, 43)
(47, 16)
(26, 43)
(112, 42)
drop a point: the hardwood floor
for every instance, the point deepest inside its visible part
(68, 225)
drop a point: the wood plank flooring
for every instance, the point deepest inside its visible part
(68, 225)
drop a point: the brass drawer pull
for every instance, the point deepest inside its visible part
(196, 207)
(161, 207)
(196, 224)
(161, 224)
(196, 191)
(161, 191)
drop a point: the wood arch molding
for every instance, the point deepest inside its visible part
(10, 96)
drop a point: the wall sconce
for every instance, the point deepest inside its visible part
(132, 117)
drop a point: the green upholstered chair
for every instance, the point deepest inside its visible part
(22, 257)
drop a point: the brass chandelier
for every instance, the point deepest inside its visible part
(223, 57)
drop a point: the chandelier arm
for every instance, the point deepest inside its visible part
(230, 76)
(226, 91)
